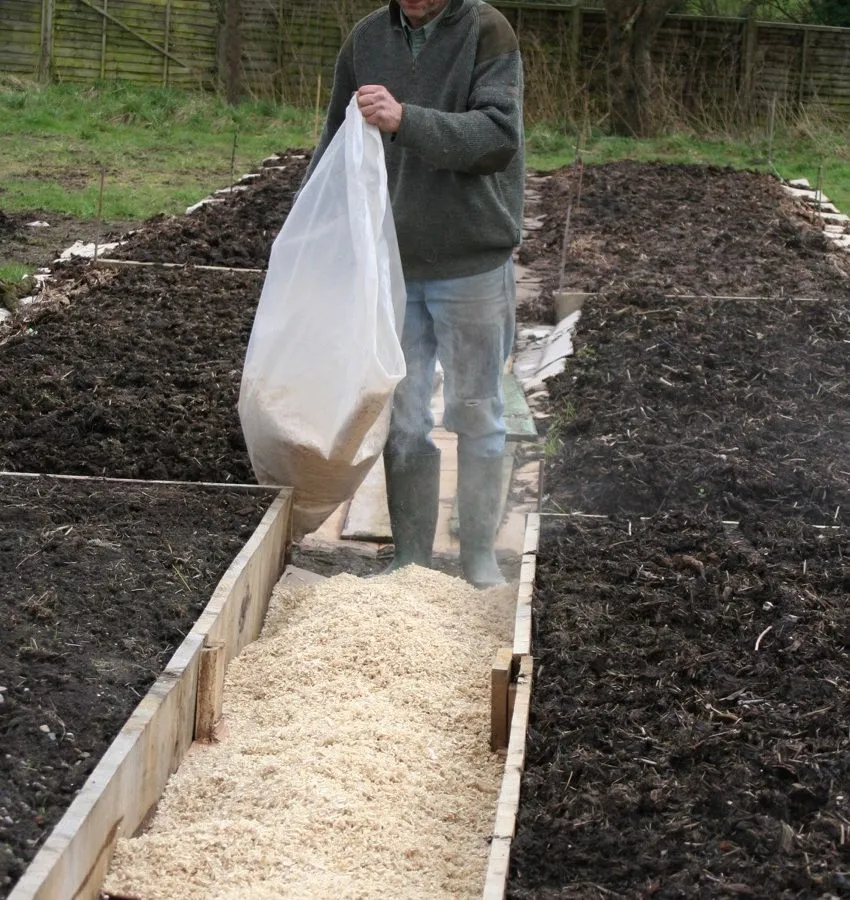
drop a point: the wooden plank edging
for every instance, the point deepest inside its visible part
(516, 717)
(522, 621)
(125, 786)
(140, 264)
(507, 806)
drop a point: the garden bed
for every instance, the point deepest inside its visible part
(660, 229)
(688, 730)
(135, 373)
(100, 583)
(734, 407)
(688, 734)
(237, 230)
(130, 373)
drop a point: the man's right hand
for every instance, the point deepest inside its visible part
(379, 107)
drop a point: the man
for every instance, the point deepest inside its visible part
(442, 79)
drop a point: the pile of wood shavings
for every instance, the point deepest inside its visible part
(354, 759)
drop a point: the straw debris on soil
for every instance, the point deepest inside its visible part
(354, 759)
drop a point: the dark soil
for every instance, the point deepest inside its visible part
(99, 583)
(34, 246)
(674, 417)
(689, 728)
(736, 408)
(653, 229)
(240, 237)
(678, 748)
(130, 373)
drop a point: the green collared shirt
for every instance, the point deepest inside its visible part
(416, 37)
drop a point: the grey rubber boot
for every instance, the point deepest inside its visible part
(479, 496)
(413, 496)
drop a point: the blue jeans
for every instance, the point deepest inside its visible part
(468, 324)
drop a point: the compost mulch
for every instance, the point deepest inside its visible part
(130, 373)
(669, 755)
(239, 236)
(668, 229)
(689, 725)
(689, 731)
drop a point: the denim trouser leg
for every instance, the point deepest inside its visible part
(468, 323)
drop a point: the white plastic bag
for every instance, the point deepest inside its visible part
(324, 353)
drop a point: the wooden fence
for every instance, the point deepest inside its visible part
(165, 42)
(286, 48)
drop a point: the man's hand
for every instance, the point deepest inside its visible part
(379, 107)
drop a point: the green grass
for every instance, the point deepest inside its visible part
(554, 441)
(158, 150)
(13, 273)
(161, 150)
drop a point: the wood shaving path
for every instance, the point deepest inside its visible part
(355, 760)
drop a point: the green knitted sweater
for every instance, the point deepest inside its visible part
(455, 167)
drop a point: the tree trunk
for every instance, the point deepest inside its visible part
(632, 26)
(233, 51)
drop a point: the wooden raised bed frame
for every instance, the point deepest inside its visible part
(184, 704)
(125, 786)
(510, 705)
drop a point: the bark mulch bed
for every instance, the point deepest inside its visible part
(99, 583)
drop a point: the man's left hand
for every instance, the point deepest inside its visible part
(379, 107)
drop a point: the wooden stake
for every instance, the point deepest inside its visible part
(233, 159)
(500, 679)
(565, 242)
(99, 214)
(316, 113)
(210, 690)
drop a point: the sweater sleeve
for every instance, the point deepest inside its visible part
(486, 137)
(344, 86)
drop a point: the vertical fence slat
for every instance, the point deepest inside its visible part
(45, 60)
(166, 41)
(804, 53)
(750, 46)
(575, 43)
(103, 25)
